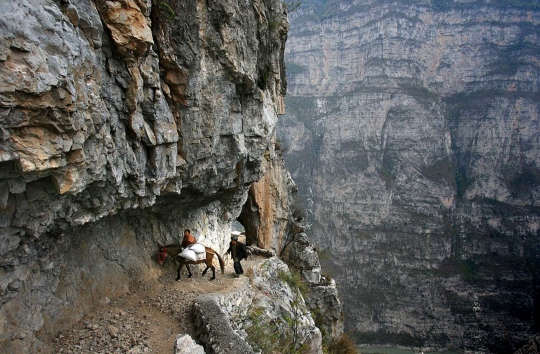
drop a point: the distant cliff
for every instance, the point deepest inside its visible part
(412, 132)
(121, 124)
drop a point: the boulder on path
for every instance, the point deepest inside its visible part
(186, 345)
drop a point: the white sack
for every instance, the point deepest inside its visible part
(197, 248)
(188, 254)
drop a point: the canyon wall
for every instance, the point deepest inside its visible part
(121, 124)
(412, 133)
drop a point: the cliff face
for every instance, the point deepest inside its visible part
(266, 215)
(412, 133)
(121, 124)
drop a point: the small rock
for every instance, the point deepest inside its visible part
(113, 331)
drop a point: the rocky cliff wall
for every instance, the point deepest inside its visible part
(121, 124)
(266, 215)
(412, 133)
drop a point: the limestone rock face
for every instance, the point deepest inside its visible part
(302, 255)
(267, 213)
(266, 311)
(277, 299)
(270, 222)
(322, 295)
(412, 133)
(323, 301)
(121, 124)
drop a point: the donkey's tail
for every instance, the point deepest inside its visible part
(221, 263)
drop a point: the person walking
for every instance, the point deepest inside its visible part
(238, 252)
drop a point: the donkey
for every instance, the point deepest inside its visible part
(174, 250)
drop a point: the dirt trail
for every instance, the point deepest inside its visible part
(148, 319)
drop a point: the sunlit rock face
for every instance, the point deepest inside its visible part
(412, 132)
(266, 215)
(121, 124)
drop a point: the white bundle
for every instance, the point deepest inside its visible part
(188, 254)
(197, 248)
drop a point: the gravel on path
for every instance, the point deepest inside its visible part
(148, 318)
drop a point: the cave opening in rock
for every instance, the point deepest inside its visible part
(237, 226)
(250, 219)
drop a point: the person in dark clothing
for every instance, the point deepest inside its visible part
(238, 252)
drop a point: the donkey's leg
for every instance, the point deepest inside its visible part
(189, 271)
(213, 272)
(207, 262)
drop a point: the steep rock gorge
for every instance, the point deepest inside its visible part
(121, 124)
(412, 132)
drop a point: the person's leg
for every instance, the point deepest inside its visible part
(237, 267)
(240, 268)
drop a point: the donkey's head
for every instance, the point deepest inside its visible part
(162, 254)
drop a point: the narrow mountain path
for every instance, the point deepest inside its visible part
(148, 319)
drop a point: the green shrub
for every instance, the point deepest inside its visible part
(294, 279)
(271, 336)
(165, 8)
(342, 345)
(272, 26)
(264, 76)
